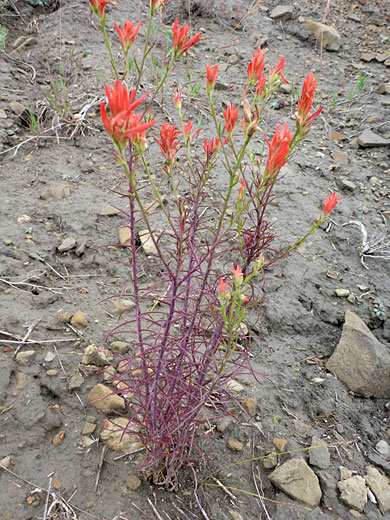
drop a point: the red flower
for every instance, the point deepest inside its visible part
(222, 287)
(304, 118)
(230, 115)
(169, 145)
(242, 189)
(188, 133)
(99, 7)
(211, 76)
(256, 67)
(177, 98)
(330, 204)
(127, 35)
(156, 4)
(210, 147)
(237, 275)
(276, 73)
(123, 124)
(260, 89)
(180, 35)
(278, 152)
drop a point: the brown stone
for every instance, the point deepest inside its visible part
(250, 405)
(103, 398)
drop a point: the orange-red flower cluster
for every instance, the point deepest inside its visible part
(99, 8)
(127, 35)
(230, 115)
(211, 76)
(123, 124)
(304, 117)
(188, 132)
(169, 144)
(180, 35)
(278, 152)
(210, 147)
(330, 204)
(256, 68)
(277, 73)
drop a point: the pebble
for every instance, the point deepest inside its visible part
(65, 317)
(124, 236)
(224, 423)
(120, 305)
(370, 139)
(24, 219)
(353, 492)
(119, 346)
(57, 484)
(52, 372)
(116, 439)
(235, 445)
(6, 461)
(88, 428)
(67, 244)
(50, 356)
(383, 448)
(328, 37)
(233, 59)
(133, 482)
(109, 211)
(250, 406)
(271, 461)
(147, 243)
(104, 399)
(380, 486)
(235, 386)
(346, 184)
(58, 438)
(342, 293)
(3, 114)
(280, 444)
(25, 357)
(79, 321)
(109, 374)
(282, 13)
(319, 457)
(94, 356)
(337, 136)
(367, 56)
(17, 108)
(75, 382)
(56, 193)
(340, 158)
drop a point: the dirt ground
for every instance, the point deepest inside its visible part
(41, 418)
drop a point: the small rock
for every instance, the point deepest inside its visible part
(338, 136)
(119, 346)
(58, 438)
(133, 482)
(57, 484)
(109, 373)
(117, 439)
(80, 249)
(235, 445)
(235, 515)
(6, 461)
(94, 356)
(124, 236)
(379, 485)
(56, 193)
(109, 211)
(76, 382)
(282, 13)
(280, 444)
(384, 449)
(328, 37)
(342, 293)
(3, 114)
(319, 457)
(120, 305)
(17, 108)
(67, 244)
(79, 321)
(104, 399)
(224, 423)
(147, 243)
(235, 386)
(353, 492)
(65, 317)
(233, 59)
(370, 139)
(360, 360)
(295, 478)
(340, 158)
(52, 372)
(351, 298)
(250, 406)
(24, 219)
(50, 356)
(367, 56)
(346, 184)
(88, 428)
(25, 357)
(334, 275)
(271, 461)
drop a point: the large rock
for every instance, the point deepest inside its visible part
(295, 478)
(353, 492)
(328, 37)
(360, 360)
(319, 456)
(379, 485)
(117, 437)
(369, 139)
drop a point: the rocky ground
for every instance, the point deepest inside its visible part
(324, 334)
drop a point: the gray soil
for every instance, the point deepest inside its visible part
(302, 318)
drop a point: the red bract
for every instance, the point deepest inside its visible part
(277, 73)
(210, 147)
(278, 152)
(237, 275)
(123, 124)
(188, 132)
(222, 287)
(304, 118)
(256, 67)
(180, 35)
(99, 7)
(169, 145)
(242, 189)
(330, 204)
(230, 115)
(211, 76)
(127, 35)
(260, 89)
